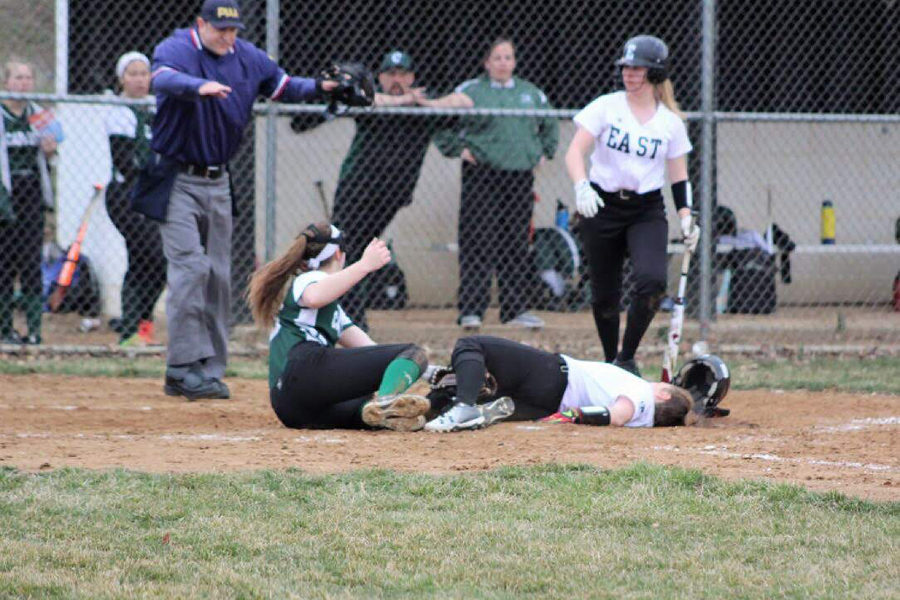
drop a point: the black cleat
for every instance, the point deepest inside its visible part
(628, 365)
(12, 338)
(193, 386)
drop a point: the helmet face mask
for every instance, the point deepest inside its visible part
(648, 52)
(707, 379)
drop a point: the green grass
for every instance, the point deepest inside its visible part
(541, 532)
(864, 375)
(151, 367)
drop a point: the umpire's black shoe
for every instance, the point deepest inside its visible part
(193, 386)
(629, 365)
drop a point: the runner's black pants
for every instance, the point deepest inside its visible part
(325, 387)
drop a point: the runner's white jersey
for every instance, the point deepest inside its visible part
(628, 155)
(600, 384)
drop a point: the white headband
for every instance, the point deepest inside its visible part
(128, 58)
(327, 252)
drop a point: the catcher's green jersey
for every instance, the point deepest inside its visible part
(296, 323)
(22, 142)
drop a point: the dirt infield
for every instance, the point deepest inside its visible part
(842, 442)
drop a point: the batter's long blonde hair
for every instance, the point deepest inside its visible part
(665, 93)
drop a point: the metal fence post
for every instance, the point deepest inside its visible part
(272, 17)
(707, 82)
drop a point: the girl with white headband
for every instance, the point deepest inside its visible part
(128, 130)
(311, 382)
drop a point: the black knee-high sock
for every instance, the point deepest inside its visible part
(607, 321)
(640, 314)
(469, 368)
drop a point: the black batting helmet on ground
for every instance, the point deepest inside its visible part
(707, 379)
(647, 51)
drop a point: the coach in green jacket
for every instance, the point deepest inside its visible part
(499, 156)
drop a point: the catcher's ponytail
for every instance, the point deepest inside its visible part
(266, 290)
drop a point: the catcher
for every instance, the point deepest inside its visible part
(313, 383)
(558, 388)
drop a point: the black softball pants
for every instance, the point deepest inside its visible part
(637, 226)
(494, 215)
(535, 379)
(323, 387)
(20, 254)
(362, 212)
(145, 277)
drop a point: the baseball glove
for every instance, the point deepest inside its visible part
(356, 86)
(443, 385)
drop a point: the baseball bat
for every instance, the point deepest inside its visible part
(68, 269)
(670, 356)
(320, 188)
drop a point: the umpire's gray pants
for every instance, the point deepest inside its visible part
(197, 243)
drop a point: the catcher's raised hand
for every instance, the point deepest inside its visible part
(375, 256)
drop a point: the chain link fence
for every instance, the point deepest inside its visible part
(802, 201)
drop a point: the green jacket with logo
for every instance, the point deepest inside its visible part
(506, 143)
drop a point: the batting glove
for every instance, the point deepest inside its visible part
(587, 200)
(690, 232)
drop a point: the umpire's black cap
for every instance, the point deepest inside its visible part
(222, 14)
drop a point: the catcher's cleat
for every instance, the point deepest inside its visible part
(567, 416)
(459, 416)
(497, 410)
(401, 412)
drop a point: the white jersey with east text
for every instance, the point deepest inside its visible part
(629, 155)
(594, 383)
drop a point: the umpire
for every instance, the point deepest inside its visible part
(205, 80)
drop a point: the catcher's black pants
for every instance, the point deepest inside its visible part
(494, 214)
(362, 212)
(145, 278)
(536, 380)
(637, 226)
(323, 387)
(20, 254)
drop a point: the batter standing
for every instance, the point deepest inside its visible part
(205, 80)
(633, 137)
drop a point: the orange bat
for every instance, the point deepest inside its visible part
(68, 270)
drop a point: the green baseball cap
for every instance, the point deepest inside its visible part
(396, 59)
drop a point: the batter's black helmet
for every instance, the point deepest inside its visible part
(707, 379)
(647, 51)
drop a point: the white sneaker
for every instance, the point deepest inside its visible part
(401, 412)
(470, 322)
(457, 417)
(528, 320)
(497, 410)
